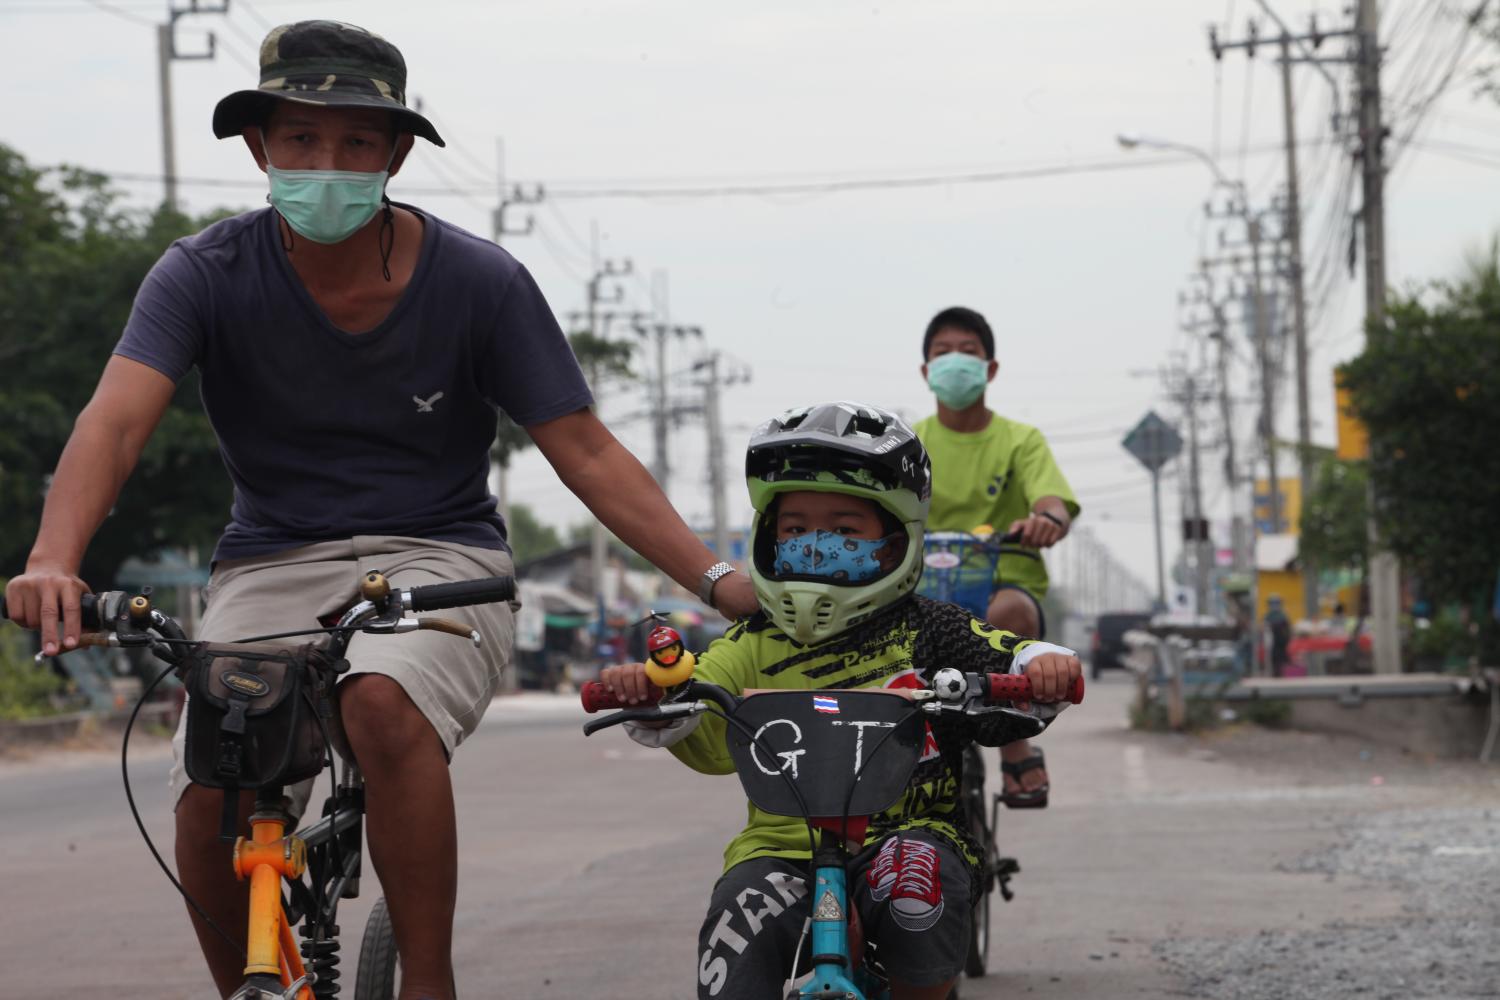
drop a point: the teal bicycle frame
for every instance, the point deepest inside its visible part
(831, 979)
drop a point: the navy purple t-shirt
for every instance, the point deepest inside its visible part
(329, 434)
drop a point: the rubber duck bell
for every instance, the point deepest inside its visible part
(668, 662)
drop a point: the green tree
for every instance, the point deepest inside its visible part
(529, 537)
(1428, 388)
(1333, 529)
(604, 362)
(71, 259)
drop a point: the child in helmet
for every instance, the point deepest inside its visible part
(840, 492)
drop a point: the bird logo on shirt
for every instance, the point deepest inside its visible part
(425, 405)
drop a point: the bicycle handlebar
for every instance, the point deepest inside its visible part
(88, 610)
(107, 613)
(461, 593)
(1017, 687)
(596, 697)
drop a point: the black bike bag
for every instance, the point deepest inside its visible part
(256, 715)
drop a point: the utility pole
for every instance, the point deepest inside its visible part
(1293, 232)
(1385, 568)
(1299, 316)
(506, 197)
(718, 476)
(1183, 386)
(601, 272)
(1215, 325)
(1267, 374)
(166, 52)
(662, 413)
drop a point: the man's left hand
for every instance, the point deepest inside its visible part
(734, 596)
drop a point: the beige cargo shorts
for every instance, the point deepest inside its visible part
(449, 680)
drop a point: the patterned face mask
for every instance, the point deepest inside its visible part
(829, 554)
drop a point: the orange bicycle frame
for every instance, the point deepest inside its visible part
(264, 859)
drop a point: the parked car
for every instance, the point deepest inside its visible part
(1108, 646)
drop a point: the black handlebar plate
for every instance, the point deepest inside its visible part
(462, 593)
(823, 740)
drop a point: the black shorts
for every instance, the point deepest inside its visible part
(912, 891)
(1041, 616)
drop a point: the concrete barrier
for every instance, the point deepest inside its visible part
(51, 729)
(1442, 715)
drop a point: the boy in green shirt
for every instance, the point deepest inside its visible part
(987, 470)
(841, 494)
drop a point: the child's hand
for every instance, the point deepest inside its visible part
(628, 683)
(1052, 676)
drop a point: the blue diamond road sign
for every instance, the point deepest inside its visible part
(1153, 442)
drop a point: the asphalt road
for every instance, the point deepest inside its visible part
(1244, 864)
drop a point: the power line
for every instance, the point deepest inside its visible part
(116, 11)
(248, 9)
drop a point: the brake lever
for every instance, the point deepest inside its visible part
(648, 713)
(399, 626)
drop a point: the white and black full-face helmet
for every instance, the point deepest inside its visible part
(848, 448)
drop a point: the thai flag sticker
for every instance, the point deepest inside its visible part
(823, 703)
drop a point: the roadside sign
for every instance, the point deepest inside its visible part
(1353, 438)
(1153, 442)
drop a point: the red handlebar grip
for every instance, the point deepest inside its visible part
(598, 698)
(1017, 687)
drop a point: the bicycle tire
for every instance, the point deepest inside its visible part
(379, 965)
(976, 958)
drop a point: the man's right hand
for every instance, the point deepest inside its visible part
(43, 597)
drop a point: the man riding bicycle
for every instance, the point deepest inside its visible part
(354, 353)
(987, 470)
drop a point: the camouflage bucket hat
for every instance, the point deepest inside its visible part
(329, 64)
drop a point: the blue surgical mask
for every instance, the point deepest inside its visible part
(958, 380)
(831, 555)
(327, 206)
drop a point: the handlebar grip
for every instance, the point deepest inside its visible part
(462, 593)
(88, 608)
(596, 697)
(88, 611)
(1017, 687)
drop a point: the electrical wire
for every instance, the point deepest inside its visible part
(249, 8)
(108, 8)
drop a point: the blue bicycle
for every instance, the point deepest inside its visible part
(834, 789)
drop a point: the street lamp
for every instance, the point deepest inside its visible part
(1128, 140)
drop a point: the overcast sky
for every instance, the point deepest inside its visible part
(825, 295)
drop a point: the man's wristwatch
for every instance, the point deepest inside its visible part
(711, 576)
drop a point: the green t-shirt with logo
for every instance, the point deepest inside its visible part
(897, 648)
(993, 477)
